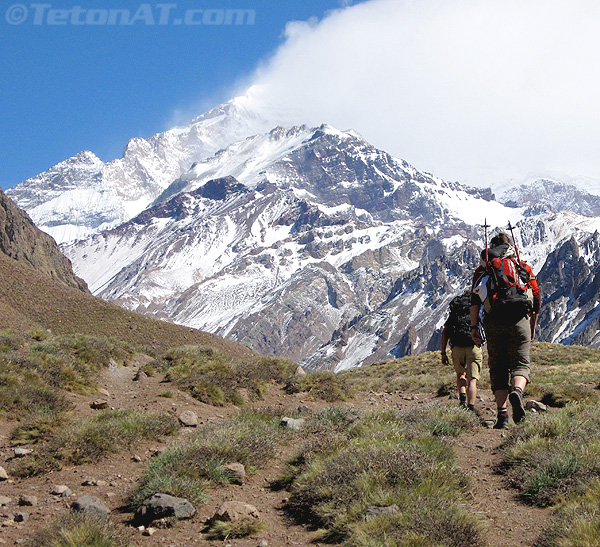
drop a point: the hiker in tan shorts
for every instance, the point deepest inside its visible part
(466, 356)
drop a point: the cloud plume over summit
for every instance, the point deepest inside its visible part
(469, 90)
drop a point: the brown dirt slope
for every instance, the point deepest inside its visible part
(30, 300)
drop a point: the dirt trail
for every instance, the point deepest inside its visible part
(511, 524)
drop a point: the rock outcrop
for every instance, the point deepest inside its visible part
(21, 240)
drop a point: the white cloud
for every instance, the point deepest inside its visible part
(473, 90)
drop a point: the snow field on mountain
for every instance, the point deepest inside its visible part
(359, 348)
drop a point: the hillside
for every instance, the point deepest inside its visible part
(21, 240)
(30, 300)
(380, 456)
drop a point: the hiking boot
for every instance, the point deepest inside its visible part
(501, 422)
(474, 410)
(516, 401)
(462, 404)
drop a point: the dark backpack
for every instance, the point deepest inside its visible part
(458, 325)
(509, 293)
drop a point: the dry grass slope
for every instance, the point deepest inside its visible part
(29, 300)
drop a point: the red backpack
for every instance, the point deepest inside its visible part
(509, 291)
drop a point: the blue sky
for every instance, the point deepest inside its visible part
(68, 87)
(484, 92)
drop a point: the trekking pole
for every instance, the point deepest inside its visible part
(485, 227)
(510, 227)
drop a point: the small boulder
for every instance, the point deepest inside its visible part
(535, 405)
(139, 375)
(28, 501)
(292, 423)
(300, 371)
(61, 490)
(162, 506)
(303, 409)
(244, 394)
(232, 511)
(236, 472)
(3, 474)
(93, 482)
(91, 506)
(188, 418)
(4, 501)
(21, 516)
(100, 404)
(22, 452)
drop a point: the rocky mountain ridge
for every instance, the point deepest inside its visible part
(22, 241)
(545, 194)
(83, 195)
(312, 244)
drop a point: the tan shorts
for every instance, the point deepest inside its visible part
(467, 360)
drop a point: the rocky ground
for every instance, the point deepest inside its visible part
(509, 521)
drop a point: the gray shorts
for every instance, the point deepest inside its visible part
(509, 347)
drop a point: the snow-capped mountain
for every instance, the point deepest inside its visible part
(553, 196)
(83, 195)
(312, 244)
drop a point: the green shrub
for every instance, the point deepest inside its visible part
(324, 385)
(94, 438)
(34, 373)
(552, 454)
(187, 469)
(561, 395)
(78, 530)
(576, 521)
(38, 426)
(380, 478)
(214, 379)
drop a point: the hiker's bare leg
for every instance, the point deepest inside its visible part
(471, 391)
(501, 397)
(461, 383)
(519, 381)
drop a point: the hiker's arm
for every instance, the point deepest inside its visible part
(475, 321)
(444, 344)
(533, 323)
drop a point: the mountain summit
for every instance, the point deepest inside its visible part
(83, 195)
(306, 242)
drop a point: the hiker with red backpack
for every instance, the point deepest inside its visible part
(466, 356)
(507, 289)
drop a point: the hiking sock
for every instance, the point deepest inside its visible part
(516, 401)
